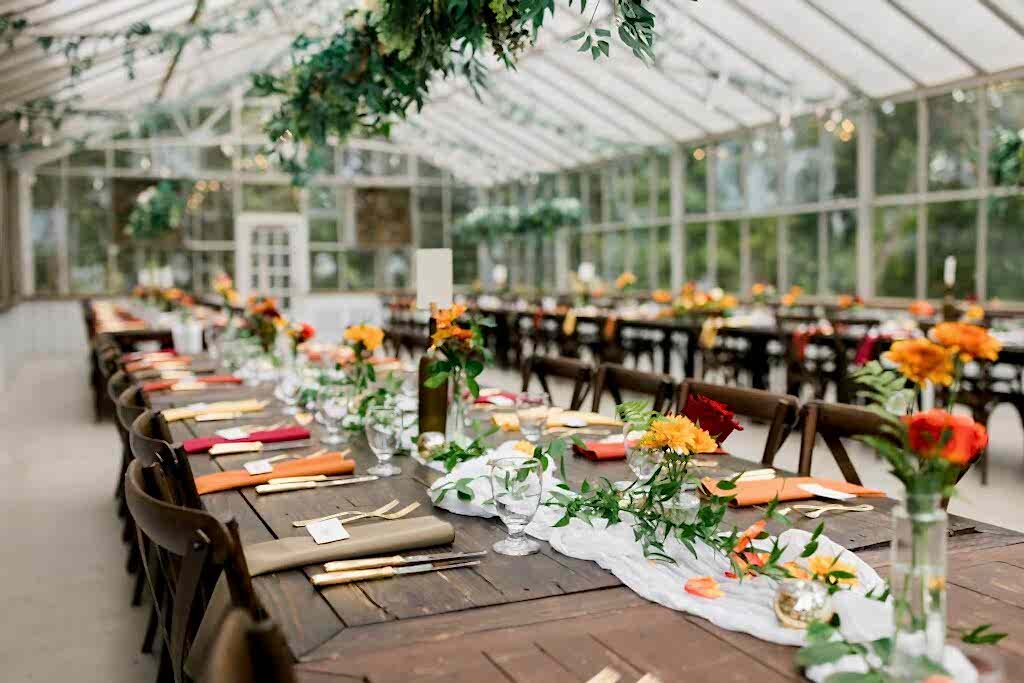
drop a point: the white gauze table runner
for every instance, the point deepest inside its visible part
(746, 606)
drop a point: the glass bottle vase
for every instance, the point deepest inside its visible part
(455, 424)
(918, 584)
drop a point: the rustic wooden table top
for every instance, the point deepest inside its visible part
(546, 617)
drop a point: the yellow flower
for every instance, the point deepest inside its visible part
(447, 316)
(625, 280)
(970, 341)
(447, 332)
(758, 289)
(369, 336)
(919, 360)
(678, 433)
(729, 301)
(974, 313)
(525, 447)
(822, 565)
(796, 571)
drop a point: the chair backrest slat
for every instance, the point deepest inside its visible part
(615, 379)
(834, 422)
(542, 367)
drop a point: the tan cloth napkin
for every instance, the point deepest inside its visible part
(382, 538)
(509, 422)
(763, 492)
(189, 412)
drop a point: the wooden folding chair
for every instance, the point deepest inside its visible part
(194, 548)
(542, 367)
(834, 422)
(779, 410)
(248, 651)
(615, 379)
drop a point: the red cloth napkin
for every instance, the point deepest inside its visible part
(162, 354)
(712, 416)
(165, 384)
(504, 394)
(598, 450)
(292, 433)
(866, 349)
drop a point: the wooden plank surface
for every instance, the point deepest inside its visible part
(496, 613)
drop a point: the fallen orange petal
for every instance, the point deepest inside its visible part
(752, 532)
(704, 587)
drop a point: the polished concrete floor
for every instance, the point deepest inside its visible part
(66, 594)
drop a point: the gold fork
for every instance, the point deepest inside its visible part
(379, 511)
(363, 515)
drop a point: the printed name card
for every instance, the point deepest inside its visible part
(327, 531)
(825, 492)
(255, 467)
(434, 280)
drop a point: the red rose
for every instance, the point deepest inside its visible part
(713, 417)
(936, 433)
(308, 331)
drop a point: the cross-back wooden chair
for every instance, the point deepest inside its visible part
(781, 411)
(542, 367)
(834, 422)
(614, 379)
(178, 484)
(248, 651)
(194, 549)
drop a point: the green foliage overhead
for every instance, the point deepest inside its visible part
(1007, 163)
(488, 223)
(158, 211)
(382, 63)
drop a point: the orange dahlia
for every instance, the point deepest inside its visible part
(970, 341)
(920, 360)
(678, 433)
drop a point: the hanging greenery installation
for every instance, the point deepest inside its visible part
(488, 223)
(158, 211)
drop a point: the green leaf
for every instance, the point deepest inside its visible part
(474, 368)
(474, 388)
(434, 381)
(982, 636)
(824, 653)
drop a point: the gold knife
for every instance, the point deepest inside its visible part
(398, 560)
(300, 485)
(334, 578)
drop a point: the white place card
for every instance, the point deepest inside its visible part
(434, 279)
(825, 492)
(254, 467)
(232, 433)
(327, 531)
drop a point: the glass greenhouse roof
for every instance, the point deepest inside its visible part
(722, 65)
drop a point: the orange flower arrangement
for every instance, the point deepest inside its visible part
(446, 317)
(936, 433)
(661, 296)
(625, 280)
(970, 341)
(463, 350)
(369, 336)
(922, 309)
(919, 360)
(679, 434)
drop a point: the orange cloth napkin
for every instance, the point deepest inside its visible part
(763, 492)
(150, 363)
(329, 464)
(165, 384)
(598, 450)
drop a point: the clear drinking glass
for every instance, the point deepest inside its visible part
(516, 485)
(384, 433)
(532, 411)
(642, 461)
(287, 390)
(332, 406)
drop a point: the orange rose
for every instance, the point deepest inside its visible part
(455, 332)
(920, 360)
(936, 433)
(922, 309)
(447, 316)
(970, 341)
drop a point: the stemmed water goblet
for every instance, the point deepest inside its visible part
(383, 425)
(516, 486)
(332, 407)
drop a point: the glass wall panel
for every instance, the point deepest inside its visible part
(803, 161)
(323, 270)
(953, 140)
(728, 234)
(397, 268)
(88, 234)
(728, 179)
(270, 198)
(613, 262)
(593, 203)
(697, 262)
(47, 215)
(763, 169)
(896, 148)
(764, 251)
(802, 251)
(357, 269)
(840, 152)
(323, 230)
(640, 241)
(592, 251)
(663, 180)
(895, 249)
(464, 264)
(952, 230)
(1006, 119)
(841, 235)
(1006, 248)
(696, 199)
(618, 181)
(663, 277)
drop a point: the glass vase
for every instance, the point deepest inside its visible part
(455, 424)
(918, 583)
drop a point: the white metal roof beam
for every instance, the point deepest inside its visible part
(1003, 16)
(542, 97)
(484, 136)
(949, 47)
(461, 136)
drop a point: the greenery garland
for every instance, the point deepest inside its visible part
(158, 211)
(488, 223)
(382, 63)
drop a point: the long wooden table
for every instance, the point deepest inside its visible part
(546, 617)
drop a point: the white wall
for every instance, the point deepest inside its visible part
(40, 328)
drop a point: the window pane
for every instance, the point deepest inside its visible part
(432, 232)
(764, 241)
(614, 257)
(763, 169)
(592, 252)
(88, 234)
(464, 263)
(215, 158)
(270, 198)
(840, 149)
(214, 219)
(803, 160)
(46, 213)
(896, 148)
(323, 270)
(696, 236)
(696, 199)
(728, 184)
(357, 269)
(953, 141)
(640, 240)
(663, 171)
(641, 189)
(396, 268)
(1006, 107)
(323, 230)
(663, 278)
(803, 261)
(895, 248)
(593, 204)
(87, 158)
(728, 234)
(323, 197)
(952, 230)
(1005, 248)
(842, 251)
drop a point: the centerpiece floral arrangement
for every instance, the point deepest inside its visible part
(262, 320)
(224, 286)
(298, 333)
(363, 340)
(693, 299)
(625, 281)
(761, 293)
(464, 356)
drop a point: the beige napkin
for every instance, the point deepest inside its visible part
(383, 538)
(509, 422)
(189, 412)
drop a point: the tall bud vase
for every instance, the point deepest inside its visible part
(455, 425)
(918, 583)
